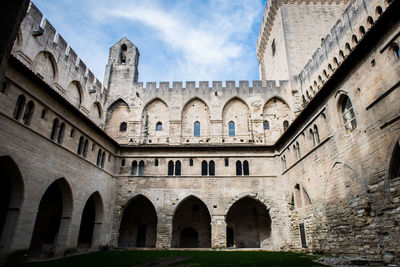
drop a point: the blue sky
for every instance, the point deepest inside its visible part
(178, 40)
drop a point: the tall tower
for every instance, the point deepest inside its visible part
(290, 33)
(122, 69)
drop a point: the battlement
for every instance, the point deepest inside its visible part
(242, 88)
(38, 35)
(348, 30)
(269, 17)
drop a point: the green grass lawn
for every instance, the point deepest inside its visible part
(194, 258)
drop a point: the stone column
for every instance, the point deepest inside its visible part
(164, 231)
(218, 231)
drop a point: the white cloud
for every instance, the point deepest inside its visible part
(206, 45)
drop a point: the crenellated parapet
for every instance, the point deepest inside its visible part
(346, 33)
(165, 113)
(46, 53)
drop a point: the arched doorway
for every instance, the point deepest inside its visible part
(248, 224)
(191, 225)
(52, 220)
(92, 217)
(11, 196)
(138, 224)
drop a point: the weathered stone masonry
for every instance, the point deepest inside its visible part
(306, 161)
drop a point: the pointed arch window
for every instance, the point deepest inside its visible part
(54, 129)
(103, 158)
(312, 136)
(204, 168)
(238, 167)
(297, 149)
(191, 162)
(231, 128)
(85, 148)
(226, 162)
(19, 106)
(28, 113)
(134, 167)
(80, 145)
(122, 127)
(211, 168)
(156, 162)
(246, 170)
(170, 168)
(60, 136)
(178, 168)
(123, 162)
(141, 168)
(349, 118)
(266, 125)
(316, 133)
(159, 126)
(98, 161)
(197, 128)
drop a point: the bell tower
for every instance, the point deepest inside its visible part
(122, 69)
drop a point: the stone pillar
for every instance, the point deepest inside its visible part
(218, 231)
(63, 239)
(9, 229)
(164, 231)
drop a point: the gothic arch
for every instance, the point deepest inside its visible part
(237, 111)
(389, 161)
(52, 231)
(195, 110)
(75, 93)
(12, 197)
(254, 196)
(96, 111)
(249, 223)
(358, 182)
(117, 113)
(191, 224)
(184, 199)
(155, 112)
(138, 223)
(91, 222)
(276, 111)
(45, 65)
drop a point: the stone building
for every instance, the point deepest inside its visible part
(306, 159)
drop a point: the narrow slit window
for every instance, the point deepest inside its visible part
(317, 139)
(98, 161)
(85, 148)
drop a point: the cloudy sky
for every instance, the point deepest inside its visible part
(178, 40)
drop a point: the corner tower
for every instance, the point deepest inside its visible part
(290, 33)
(122, 69)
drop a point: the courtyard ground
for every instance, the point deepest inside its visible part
(158, 258)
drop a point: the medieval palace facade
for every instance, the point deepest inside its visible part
(305, 159)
